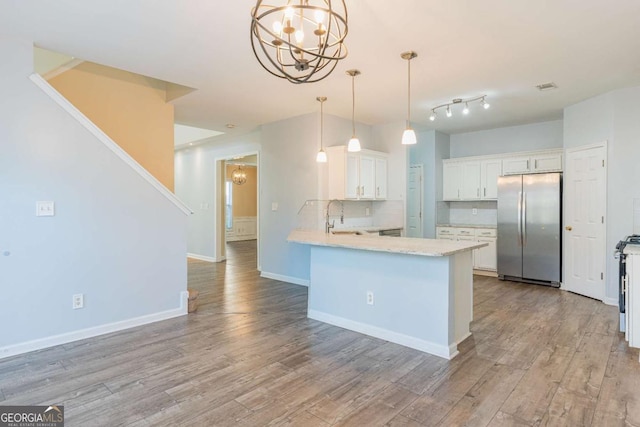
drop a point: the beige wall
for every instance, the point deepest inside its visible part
(245, 195)
(128, 107)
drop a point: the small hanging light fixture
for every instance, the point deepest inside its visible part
(409, 135)
(238, 175)
(354, 142)
(322, 155)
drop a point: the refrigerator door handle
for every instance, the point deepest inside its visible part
(524, 218)
(520, 218)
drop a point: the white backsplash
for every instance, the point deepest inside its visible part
(351, 213)
(462, 213)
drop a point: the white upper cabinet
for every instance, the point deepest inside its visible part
(533, 163)
(356, 176)
(381, 178)
(476, 178)
(451, 181)
(490, 170)
(470, 181)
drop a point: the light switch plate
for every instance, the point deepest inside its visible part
(45, 208)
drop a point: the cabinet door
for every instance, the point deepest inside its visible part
(546, 162)
(381, 178)
(352, 181)
(486, 258)
(451, 180)
(367, 177)
(470, 188)
(516, 165)
(490, 170)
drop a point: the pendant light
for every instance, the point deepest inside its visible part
(409, 135)
(354, 142)
(322, 155)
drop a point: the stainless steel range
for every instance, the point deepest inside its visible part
(619, 254)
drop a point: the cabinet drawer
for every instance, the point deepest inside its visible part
(464, 232)
(486, 232)
(445, 231)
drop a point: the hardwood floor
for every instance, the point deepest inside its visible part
(250, 357)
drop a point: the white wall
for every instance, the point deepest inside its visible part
(195, 184)
(612, 117)
(537, 136)
(114, 238)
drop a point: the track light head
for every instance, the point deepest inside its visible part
(432, 117)
(449, 113)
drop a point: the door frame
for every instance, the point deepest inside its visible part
(603, 144)
(421, 193)
(220, 174)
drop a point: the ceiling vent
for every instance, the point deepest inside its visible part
(547, 86)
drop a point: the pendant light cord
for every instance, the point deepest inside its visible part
(353, 105)
(321, 122)
(409, 94)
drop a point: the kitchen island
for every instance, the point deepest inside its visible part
(410, 291)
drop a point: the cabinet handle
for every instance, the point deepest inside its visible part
(535, 165)
(527, 164)
(377, 191)
(485, 191)
(478, 192)
(458, 193)
(362, 194)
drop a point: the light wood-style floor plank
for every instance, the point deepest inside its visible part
(250, 357)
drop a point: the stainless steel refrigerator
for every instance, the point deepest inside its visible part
(529, 221)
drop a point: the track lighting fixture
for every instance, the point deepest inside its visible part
(465, 110)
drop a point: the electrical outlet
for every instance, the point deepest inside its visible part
(369, 297)
(45, 209)
(367, 212)
(474, 211)
(78, 301)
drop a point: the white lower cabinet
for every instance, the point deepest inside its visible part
(484, 258)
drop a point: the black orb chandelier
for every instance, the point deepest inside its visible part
(299, 40)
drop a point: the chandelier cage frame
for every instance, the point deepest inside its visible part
(285, 54)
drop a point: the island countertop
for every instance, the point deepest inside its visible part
(401, 245)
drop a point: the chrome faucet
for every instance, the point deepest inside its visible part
(327, 225)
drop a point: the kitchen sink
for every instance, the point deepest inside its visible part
(346, 232)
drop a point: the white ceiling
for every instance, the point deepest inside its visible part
(501, 48)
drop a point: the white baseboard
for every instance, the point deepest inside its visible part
(39, 344)
(201, 257)
(610, 301)
(288, 279)
(447, 352)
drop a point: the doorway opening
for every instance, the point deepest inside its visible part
(237, 210)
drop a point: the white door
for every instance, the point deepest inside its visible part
(584, 221)
(414, 202)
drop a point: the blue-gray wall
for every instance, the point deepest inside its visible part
(114, 238)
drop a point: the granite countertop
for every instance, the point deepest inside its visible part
(402, 245)
(468, 225)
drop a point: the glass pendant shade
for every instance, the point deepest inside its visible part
(321, 157)
(354, 145)
(409, 137)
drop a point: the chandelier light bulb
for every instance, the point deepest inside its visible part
(319, 16)
(299, 36)
(288, 12)
(449, 113)
(277, 28)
